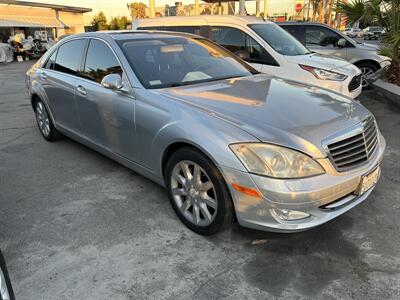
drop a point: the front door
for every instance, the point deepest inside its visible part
(107, 115)
(324, 41)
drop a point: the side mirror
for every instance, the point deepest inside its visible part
(112, 82)
(341, 43)
(243, 54)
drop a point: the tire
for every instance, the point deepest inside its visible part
(366, 68)
(4, 271)
(43, 120)
(186, 195)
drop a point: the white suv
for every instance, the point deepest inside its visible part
(268, 48)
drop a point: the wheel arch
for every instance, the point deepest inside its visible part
(34, 98)
(371, 61)
(175, 146)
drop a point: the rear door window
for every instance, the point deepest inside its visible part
(50, 63)
(69, 57)
(186, 29)
(100, 62)
(230, 38)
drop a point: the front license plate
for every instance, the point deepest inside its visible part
(368, 181)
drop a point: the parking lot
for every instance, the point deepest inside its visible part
(76, 225)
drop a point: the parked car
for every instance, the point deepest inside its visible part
(354, 33)
(224, 139)
(372, 33)
(268, 48)
(6, 291)
(325, 40)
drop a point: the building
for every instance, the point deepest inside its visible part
(32, 17)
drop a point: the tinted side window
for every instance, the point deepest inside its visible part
(151, 28)
(236, 40)
(50, 63)
(296, 31)
(100, 61)
(187, 29)
(321, 36)
(69, 57)
(231, 38)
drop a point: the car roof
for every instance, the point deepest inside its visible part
(301, 23)
(198, 20)
(132, 34)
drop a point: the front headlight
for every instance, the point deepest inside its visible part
(324, 74)
(276, 161)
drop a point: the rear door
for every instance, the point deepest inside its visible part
(107, 115)
(58, 78)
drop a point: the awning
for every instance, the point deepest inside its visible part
(30, 21)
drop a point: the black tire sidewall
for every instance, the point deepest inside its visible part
(224, 203)
(3, 267)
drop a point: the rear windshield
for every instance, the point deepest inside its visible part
(176, 61)
(279, 39)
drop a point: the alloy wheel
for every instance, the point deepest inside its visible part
(42, 118)
(194, 193)
(366, 72)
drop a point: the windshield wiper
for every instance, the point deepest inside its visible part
(177, 84)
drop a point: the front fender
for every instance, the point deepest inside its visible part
(209, 135)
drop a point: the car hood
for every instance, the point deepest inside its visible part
(274, 110)
(323, 62)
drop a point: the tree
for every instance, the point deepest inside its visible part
(99, 22)
(384, 13)
(124, 22)
(138, 10)
(118, 23)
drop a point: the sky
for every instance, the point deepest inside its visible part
(118, 7)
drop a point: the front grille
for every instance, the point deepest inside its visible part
(355, 150)
(355, 83)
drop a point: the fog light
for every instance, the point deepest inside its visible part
(288, 214)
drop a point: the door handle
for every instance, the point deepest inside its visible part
(43, 75)
(81, 89)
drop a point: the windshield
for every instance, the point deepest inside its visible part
(282, 41)
(175, 61)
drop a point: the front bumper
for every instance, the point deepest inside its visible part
(323, 197)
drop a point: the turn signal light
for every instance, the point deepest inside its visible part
(246, 190)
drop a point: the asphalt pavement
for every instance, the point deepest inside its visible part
(76, 225)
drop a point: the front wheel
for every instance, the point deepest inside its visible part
(367, 70)
(198, 192)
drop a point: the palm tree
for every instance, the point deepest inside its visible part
(384, 13)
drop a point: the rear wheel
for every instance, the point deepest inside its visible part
(46, 126)
(198, 192)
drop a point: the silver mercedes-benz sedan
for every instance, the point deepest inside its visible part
(227, 142)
